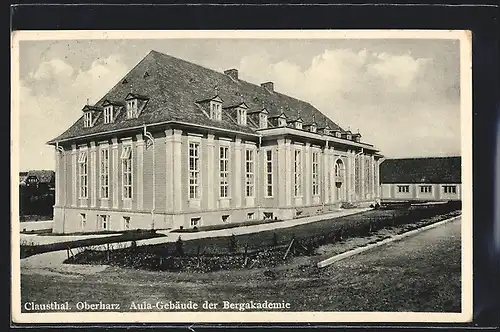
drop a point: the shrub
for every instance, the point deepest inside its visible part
(233, 243)
(179, 247)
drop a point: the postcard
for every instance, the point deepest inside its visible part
(241, 176)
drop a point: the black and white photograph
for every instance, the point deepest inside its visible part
(241, 176)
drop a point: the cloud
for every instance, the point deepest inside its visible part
(55, 68)
(51, 99)
(394, 99)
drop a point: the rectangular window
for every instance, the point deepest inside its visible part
(268, 215)
(249, 173)
(315, 173)
(126, 158)
(403, 189)
(242, 116)
(450, 189)
(104, 173)
(195, 222)
(263, 120)
(194, 170)
(87, 120)
(224, 170)
(426, 189)
(215, 111)
(297, 171)
(126, 222)
(83, 220)
(251, 216)
(132, 109)
(269, 173)
(104, 221)
(83, 170)
(108, 114)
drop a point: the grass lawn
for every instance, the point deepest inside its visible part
(29, 249)
(228, 252)
(419, 273)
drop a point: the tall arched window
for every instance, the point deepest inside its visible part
(339, 167)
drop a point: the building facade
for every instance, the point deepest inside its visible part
(174, 145)
(421, 179)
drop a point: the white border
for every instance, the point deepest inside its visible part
(276, 317)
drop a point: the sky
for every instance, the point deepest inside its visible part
(403, 95)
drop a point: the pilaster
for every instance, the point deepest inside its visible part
(74, 175)
(238, 192)
(93, 174)
(280, 186)
(57, 158)
(363, 184)
(307, 174)
(139, 144)
(116, 169)
(326, 175)
(289, 190)
(331, 171)
(177, 166)
(169, 174)
(211, 167)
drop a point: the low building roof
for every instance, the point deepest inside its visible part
(421, 170)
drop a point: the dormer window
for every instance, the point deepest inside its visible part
(312, 128)
(216, 110)
(87, 121)
(108, 114)
(263, 120)
(338, 134)
(349, 136)
(131, 108)
(134, 104)
(298, 124)
(281, 122)
(242, 116)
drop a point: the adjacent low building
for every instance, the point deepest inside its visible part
(174, 144)
(425, 179)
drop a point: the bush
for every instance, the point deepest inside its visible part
(264, 249)
(179, 247)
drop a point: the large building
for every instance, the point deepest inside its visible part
(424, 179)
(176, 144)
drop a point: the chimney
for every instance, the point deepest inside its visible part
(268, 86)
(233, 73)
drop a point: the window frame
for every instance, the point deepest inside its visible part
(425, 189)
(194, 175)
(104, 173)
(132, 108)
(224, 167)
(104, 221)
(297, 172)
(197, 221)
(108, 114)
(87, 119)
(315, 173)
(83, 175)
(249, 172)
(263, 120)
(127, 164)
(269, 174)
(215, 110)
(242, 116)
(83, 220)
(126, 222)
(404, 189)
(449, 189)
